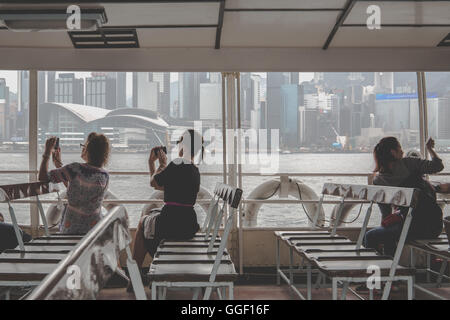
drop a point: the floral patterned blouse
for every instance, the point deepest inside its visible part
(86, 187)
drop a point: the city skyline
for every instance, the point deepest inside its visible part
(331, 110)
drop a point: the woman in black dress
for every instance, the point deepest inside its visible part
(180, 181)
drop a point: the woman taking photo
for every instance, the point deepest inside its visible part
(86, 182)
(394, 170)
(180, 181)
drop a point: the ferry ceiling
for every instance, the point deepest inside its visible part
(227, 35)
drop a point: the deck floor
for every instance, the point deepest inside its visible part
(267, 292)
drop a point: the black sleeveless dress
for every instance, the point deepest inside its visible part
(178, 219)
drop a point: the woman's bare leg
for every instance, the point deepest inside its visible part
(139, 250)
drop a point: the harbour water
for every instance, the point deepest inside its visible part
(134, 187)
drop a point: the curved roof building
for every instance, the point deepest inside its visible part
(83, 115)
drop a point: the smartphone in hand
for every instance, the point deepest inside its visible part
(57, 144)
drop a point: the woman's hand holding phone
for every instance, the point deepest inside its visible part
(162, 158)
(56, 157)
(430, 144)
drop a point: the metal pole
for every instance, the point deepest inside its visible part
(421, 114)
(425, 111)
(224, 126)
(33, 143)
(240, 235)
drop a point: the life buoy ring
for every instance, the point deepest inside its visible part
(54, 212)
(203, 194)
(271, 188)
(345, 211)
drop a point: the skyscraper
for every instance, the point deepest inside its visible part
(145, 92)
(51, 77)
(41, 87)
(121, 89)
(274, 99)
(384, 82)
(163, 80)
(69, 89)
(4, 106)
(23, 83)
(189, 95)
(443, 119)
(289, 129)
(101, 90)
(210, 101)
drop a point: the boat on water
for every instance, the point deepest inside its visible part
(291, 98)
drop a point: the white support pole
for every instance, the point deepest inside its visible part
(277, 256)
(218, 221)
(338, 217)
(421, 114)
(397, 254)
(239, 165)
(425, 111)
(33, 144)
(220, 251)
(364, 226)
(135, 276)
(319, 205)
(224, 127)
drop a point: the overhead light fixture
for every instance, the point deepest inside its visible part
(51, 19)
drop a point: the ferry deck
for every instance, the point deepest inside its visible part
(326, 78)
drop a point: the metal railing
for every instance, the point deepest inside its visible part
(244, 174)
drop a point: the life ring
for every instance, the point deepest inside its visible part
(271, 188)
(203, 194)
(54, 212)
(345, 211)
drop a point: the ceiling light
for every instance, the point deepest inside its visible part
(50, 19)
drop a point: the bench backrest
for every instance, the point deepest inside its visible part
(22, 191)
(11, 192)
(87, 268)
(230, 197)
(404, 197)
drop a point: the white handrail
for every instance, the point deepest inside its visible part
(268, 201)
(245, 174)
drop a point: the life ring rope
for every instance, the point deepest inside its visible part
(324, 219)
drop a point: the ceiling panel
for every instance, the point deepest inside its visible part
(277, 29)
(389, 37)
(204, 37)
(35, 39)
(161, 14)
(406, 12)
(294, 4)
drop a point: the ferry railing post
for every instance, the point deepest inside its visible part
(16, 226)
(364, 226)
(337, 218)
(397, 255)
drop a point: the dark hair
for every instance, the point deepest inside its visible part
(97, 149)
(194, 141)
(382, 153)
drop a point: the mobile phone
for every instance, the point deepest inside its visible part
(57, 144)
(164, 149)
